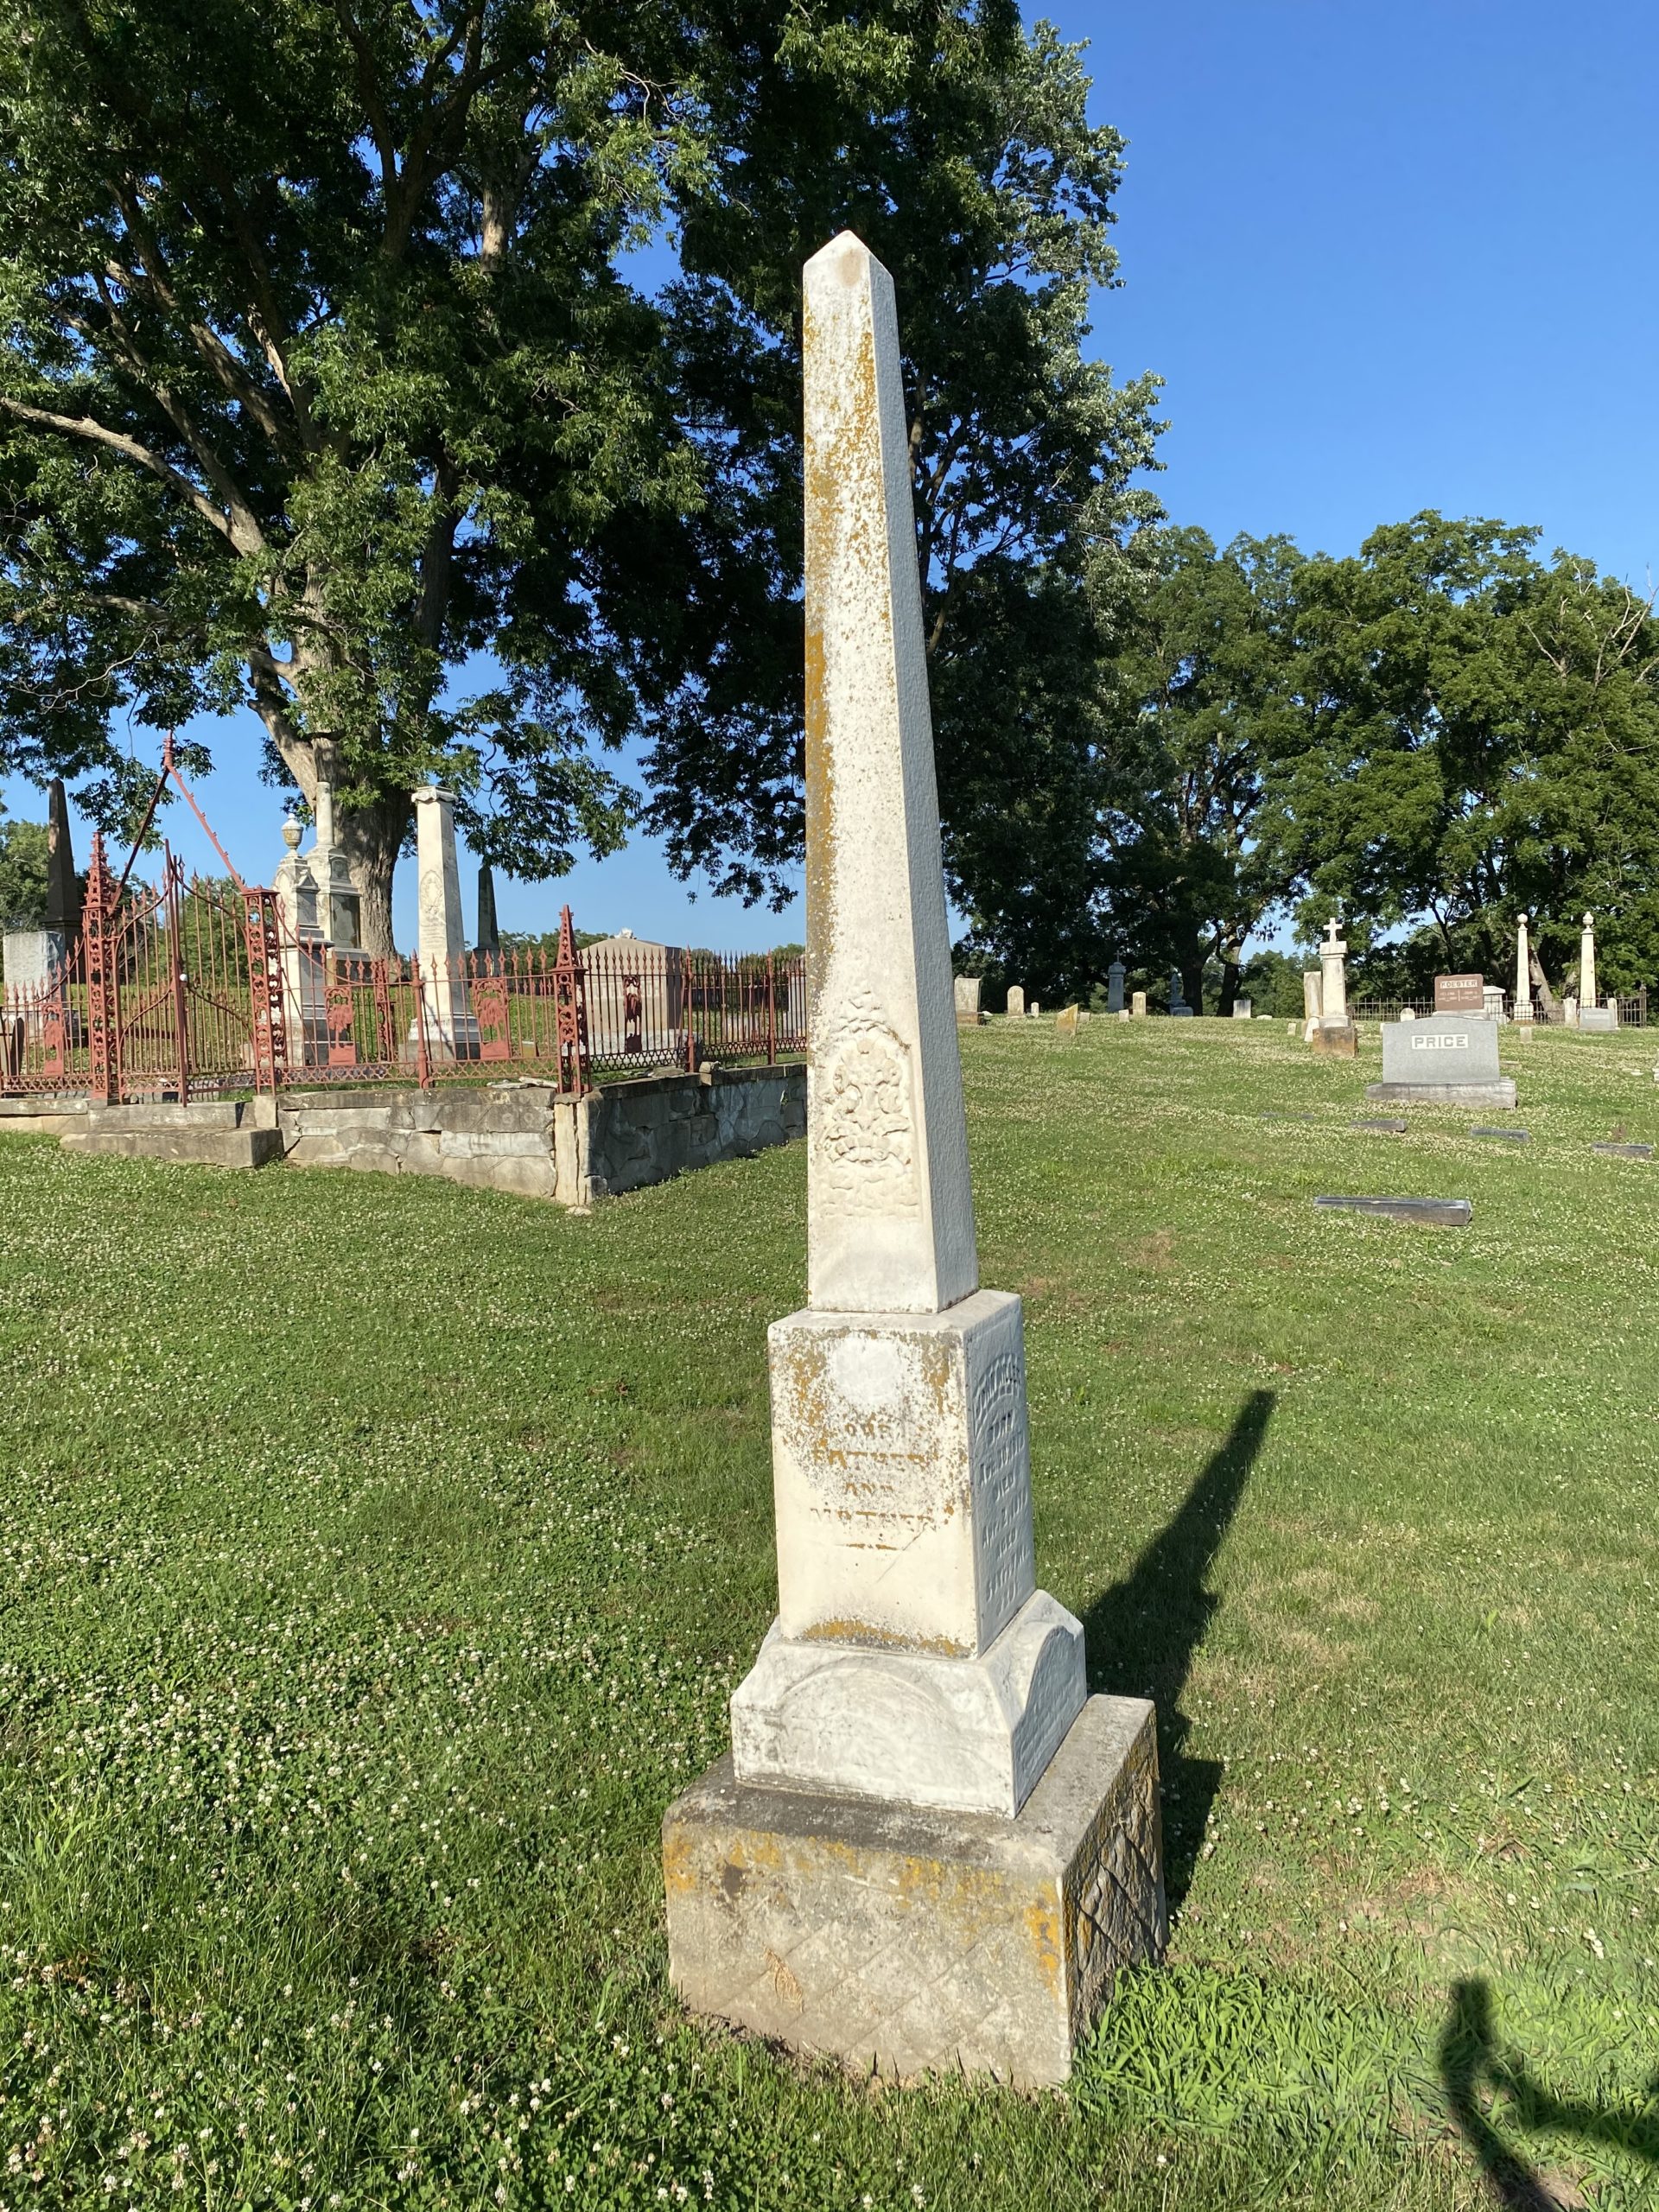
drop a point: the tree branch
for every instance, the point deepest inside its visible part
(96, 432)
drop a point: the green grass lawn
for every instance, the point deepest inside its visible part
(377, 1557)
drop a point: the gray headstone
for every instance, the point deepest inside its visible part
(1177, 1002)
(1439, 1213)
(1602, 1017)
(1625, 1151)
(1444, 1048)
(1115, 988)
(1242, 1009)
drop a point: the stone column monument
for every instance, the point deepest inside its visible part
(1587, 965)
(1114, 980)
(1522, 973)
(929, 1847)
(1333, 1034)
(451, 1025)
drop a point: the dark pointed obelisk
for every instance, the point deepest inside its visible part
(489, 935)
(62, 883)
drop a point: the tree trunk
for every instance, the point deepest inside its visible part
(370, 838)
(1193, 985)
(1231, 965)
(1546, 997)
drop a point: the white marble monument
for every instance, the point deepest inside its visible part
(1333, 1033)
(1587, 964)
(1523, 972)
(451, 1025)
(929, 1847)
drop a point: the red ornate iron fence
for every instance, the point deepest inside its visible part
(577, 1017)
(182, 988)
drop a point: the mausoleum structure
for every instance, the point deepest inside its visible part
(929, 1847)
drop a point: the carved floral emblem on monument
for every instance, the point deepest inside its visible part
(867, 1125)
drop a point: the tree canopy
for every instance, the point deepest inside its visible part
(1432, 736)
(22, 874)
(331, 386)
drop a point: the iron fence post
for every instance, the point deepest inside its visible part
(173, 911)
(569, 1010)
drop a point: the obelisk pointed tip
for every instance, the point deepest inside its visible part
(846, 259)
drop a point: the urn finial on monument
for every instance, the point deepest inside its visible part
(929, 1847)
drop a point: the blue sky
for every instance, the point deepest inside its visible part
(1384, 257)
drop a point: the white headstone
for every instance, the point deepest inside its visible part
(1016, 1003)
(913, 1658)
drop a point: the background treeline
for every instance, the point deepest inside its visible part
(1430, 737)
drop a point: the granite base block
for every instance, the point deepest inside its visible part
(1501, 1093)
(1334, 1040)
(909, 1940)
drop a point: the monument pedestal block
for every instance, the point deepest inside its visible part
(912, 1941)
(1334, 1040)
(972, 1734)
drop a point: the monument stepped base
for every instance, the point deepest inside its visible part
(909, 1940)
(1501, 1093)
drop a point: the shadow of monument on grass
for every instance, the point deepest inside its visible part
(1472, 2059)
(1145, 1631)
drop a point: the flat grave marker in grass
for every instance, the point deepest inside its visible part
(1439, 1213)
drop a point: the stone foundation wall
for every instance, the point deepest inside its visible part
(523, 1137)
(506, 1136)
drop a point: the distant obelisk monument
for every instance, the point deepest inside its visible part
(62, 883)
(929, 1847)
(488, 939)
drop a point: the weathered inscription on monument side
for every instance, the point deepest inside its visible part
(1459, 995)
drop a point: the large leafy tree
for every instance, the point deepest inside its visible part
(319, 380)
(1204, 707)
(326, 388)
(22, 874)
(1482, 741)
(958, 146)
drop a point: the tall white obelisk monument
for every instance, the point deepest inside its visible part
(917, 1774)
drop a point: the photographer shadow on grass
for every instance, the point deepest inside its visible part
(1472, 2061)
(1145, 1631)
